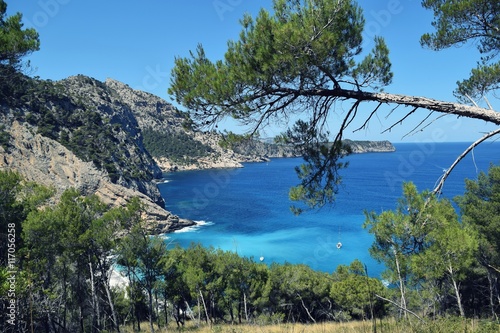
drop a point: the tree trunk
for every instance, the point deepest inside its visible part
(111, 305)
(307, 310)
(205, 307)
(458, 109)
(94, 299)
(157, 310)
(199, 309)
(165, 308)
(457, 292)
(150, 306)
(492, 293)
(401, 284)
(245, 305)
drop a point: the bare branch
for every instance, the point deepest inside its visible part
(431, 122)
(400, 120)
(488, 102)
(399, 306)
(368, 119)
(472, 101)
(418, 125)
(440, 185)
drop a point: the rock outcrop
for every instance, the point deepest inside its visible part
(359, 147)
(155, 114)
(108, 139)
(47, 162)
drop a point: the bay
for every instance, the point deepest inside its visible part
(246, 210)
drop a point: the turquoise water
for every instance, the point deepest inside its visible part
(246, 210)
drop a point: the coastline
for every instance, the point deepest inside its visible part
(237, 160)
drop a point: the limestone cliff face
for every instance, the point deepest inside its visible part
(155, 114)
(45, 161)
(79, 133)
(134, 157)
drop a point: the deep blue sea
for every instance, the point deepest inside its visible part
(246, 210)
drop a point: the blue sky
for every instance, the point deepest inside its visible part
(136, 42)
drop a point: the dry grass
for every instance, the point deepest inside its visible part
(385, 326)
(348, 327)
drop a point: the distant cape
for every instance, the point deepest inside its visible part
(370, 146)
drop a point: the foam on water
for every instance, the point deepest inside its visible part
(248, 208)
(194, 228)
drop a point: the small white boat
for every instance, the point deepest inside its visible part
(261, 258)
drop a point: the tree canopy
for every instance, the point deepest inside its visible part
(306, 57)
(15, 42)
(459, 22)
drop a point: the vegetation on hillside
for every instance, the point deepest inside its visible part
(56, 259)
(60, 256)
(65, 117)
(177, 146)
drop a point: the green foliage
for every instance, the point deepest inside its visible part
(143, 257)
(421, 241)
(319, 175)
(15, 42)
(177, 146)
(68, 257)
(17, 199)
(65, 252)
(354, 292)
(302, 45)
(230, 140)
(298, 293)
(459, 22)
(480, 208)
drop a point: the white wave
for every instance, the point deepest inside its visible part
(195, 227)
(164, 236)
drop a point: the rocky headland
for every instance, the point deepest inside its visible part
(108, 139)
(359, 147)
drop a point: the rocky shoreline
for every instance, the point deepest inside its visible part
(90, 135)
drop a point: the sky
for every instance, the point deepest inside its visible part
(136, 42)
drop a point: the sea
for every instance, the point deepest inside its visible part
(247, 210)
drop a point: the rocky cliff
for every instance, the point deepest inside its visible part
(172, 141)
(49, 163)
(370, 146)
(108, 139)
(80, 133)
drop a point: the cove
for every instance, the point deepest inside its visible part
(246, 210)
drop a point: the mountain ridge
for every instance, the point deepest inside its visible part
(108, 139)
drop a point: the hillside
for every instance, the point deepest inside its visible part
(109, 139)
(80, 133)
(168, 134)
